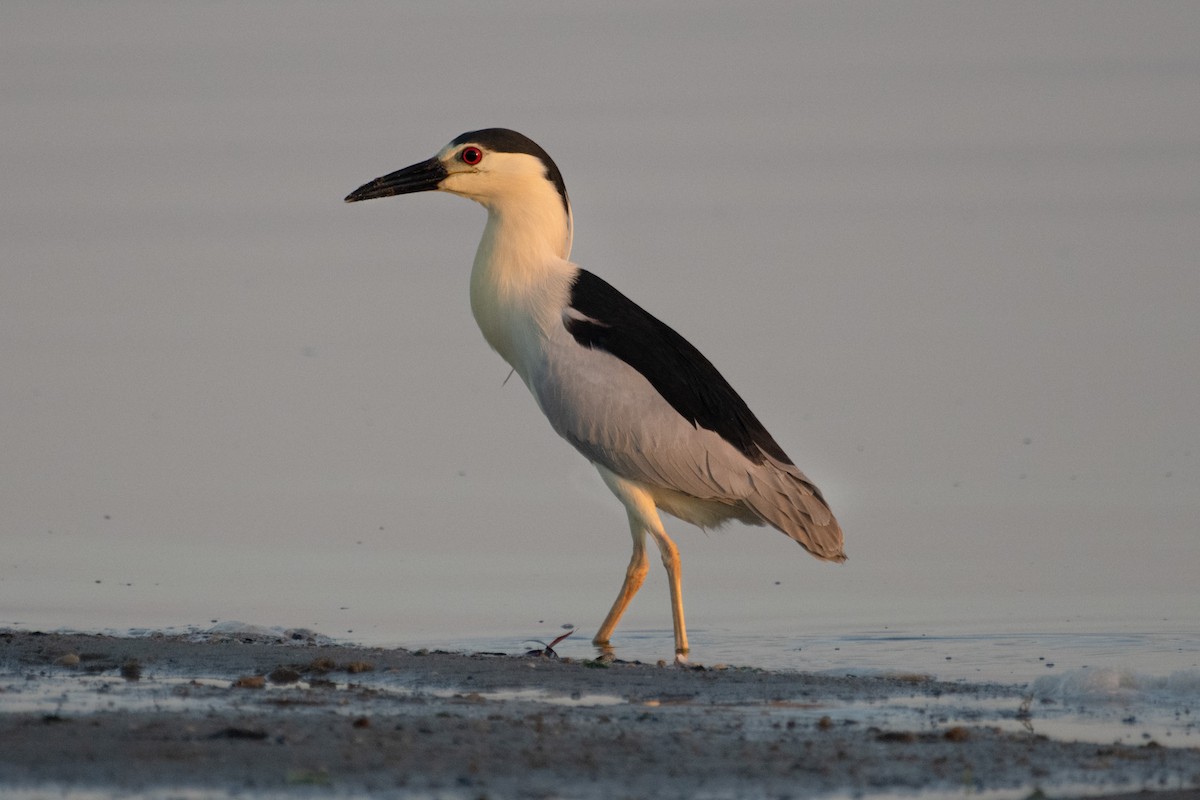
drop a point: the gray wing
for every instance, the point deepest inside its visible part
(618, 418)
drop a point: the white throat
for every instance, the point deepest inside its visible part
(521, 277)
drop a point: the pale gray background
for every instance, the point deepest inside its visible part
(946, 251)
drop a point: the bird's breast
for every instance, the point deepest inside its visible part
(518, 306)
(506, 329)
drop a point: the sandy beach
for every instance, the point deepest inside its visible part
(251, 715)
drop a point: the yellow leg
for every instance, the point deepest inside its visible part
(635, 574)
(643, 518)
(670, 560)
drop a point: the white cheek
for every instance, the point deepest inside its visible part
(452, 181)
(460, 183)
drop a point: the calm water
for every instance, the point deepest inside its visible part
(946, 252)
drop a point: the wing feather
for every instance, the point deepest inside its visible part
(646, 405)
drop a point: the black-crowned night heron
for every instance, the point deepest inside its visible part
(658, 421)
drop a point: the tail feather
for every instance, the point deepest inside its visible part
(785, 499)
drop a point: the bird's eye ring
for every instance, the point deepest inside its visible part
(471, 155)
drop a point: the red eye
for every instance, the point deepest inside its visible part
(471, 155)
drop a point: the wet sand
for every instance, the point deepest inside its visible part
(292, 716)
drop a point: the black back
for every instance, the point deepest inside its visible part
(677, 370)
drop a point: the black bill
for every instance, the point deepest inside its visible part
(422, 177)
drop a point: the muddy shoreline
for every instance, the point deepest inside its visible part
(295, 717)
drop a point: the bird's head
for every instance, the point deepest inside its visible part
(505, 171)
(492, 166)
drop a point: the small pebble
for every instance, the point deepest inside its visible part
(250, 682)
(284, 675)
(957, 734)
(322, 665)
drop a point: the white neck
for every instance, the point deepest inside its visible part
(521, 277)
